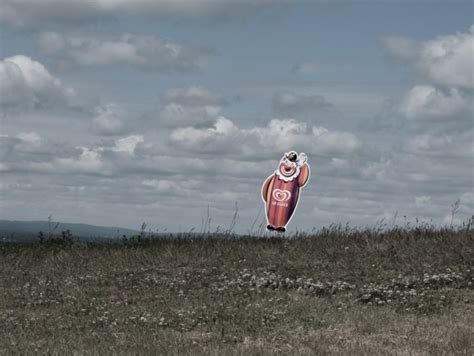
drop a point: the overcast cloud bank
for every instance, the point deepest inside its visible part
(116, 159)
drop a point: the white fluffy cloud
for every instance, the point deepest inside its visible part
(109, 120)
(163, 185)
(445, 60)
(145, 52)
(26, 83)
(426, 102)
(29, 151)
(89, 160)
(446, 63)
(335, 141)
(200, 138)
(128, 144)
(192, 106)
(31, 137)
(27, 13)
(459, 145)
(278, 136)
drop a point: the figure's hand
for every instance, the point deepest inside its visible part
(302, 158)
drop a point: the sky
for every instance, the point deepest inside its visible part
(118, 112)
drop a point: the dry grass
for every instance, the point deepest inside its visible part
(403, 291)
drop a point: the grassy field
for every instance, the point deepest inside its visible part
(339, 291)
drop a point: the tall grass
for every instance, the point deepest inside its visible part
(335, 290)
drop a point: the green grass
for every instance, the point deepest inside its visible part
(400, 291)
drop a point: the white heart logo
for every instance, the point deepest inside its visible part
(281, 195)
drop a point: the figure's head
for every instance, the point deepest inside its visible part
(290, 164)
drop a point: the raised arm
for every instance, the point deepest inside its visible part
(304, 175)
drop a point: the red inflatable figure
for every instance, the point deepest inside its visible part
(281, 190)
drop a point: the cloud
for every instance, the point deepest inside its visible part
(335, 141)
(180, 179)
(445, 60)
(89, 160)
(26, 83)
(382, 170)
(422, 200)
(196, 153)
(313, 68)
(278, 136)
(425, 102)
(109, 120)
(30, 13)
(192, 96)
(206, 139)
(22, 144)
(447, 102)
(163, 185)
(451, 146)
(192, 106)
(428, 142)
(140, 51)
(30, 152)
(128, 144)
(292, 103)
(121, 158)
(30, 137)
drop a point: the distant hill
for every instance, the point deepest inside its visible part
(28, 230)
